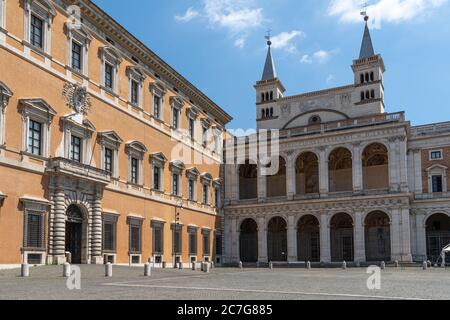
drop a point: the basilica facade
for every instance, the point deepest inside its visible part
(352, 182)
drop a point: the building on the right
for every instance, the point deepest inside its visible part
(345, 181)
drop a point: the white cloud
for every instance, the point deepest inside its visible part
(330, 78)
(188, 16)
(382, 10)
(306, 59)
(284, 40)
(320, 56)
(239, 43)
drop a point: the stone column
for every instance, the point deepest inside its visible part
(357, 168)
(393, 166)
(234, 241)
(417, 159)
(360, 245)
(395, 235)
(406, 234)
(325, 246)
(290, 177)
(403, 163)
(59, 228)
(323, 172)
(262, 240)
(96, 240)
(292, 240)
(421, 237)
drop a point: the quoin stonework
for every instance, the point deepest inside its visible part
(352, 182)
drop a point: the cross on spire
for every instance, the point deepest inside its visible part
(268, 37)
(364, 13)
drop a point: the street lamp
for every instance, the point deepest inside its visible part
(179, 205)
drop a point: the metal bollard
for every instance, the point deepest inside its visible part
(425, 265)
(66, 270)
(344, 265)
(383, 265)
(108, 270)
(270, 265)
(147, 270)
(241, 266)
(25, 270)
(308, 265)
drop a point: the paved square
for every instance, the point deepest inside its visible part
(226, 284)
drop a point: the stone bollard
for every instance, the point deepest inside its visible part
(383, 265)
(425, 265)
(66, 270)
(308, 265)
(25, 270)
(429, 264)
(207, 267)
(397, 264)
(211, 264)
(193, 266)
(164, 264)
(180, 265)
(344, 265)
(108, 270)
(241, 266)
(271, 265)
(147, 270)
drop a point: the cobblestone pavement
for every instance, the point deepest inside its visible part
(226, 284)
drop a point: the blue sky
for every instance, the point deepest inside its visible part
(219, 46)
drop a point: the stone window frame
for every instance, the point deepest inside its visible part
(137, 150)
(176, 168)
(2, 14)
(133, 221)
(158, 90)
(177, 227)
(206, 180)
(135, 74)
(112, 141)
(5, 95)
(430, 155)
(44, 10)
(157, 224)
(437, 170)
(112, 56)
(192, 115)
(158, 160)
(206, 232)
(83, 37)
(192, 230)
(112, 219)
(192, 174)
(40, 111)
(177, 104)
(36, 207)
(74, 125)
(206, 126)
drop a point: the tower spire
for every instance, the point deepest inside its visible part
(367, 50)
(269, 72)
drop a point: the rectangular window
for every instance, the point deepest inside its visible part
(191, 190)
(217, 197)
(206, 244)
(76, 56)
(175, 120)
(157, 107)
(193, 242)
(175, 184)
(192, 128)
(436, 155)
(205, 194)
(218, 244)
(135, 237)
(177, 240)
(35, 230)
(109, 160)
(156, 178)
(75, 149)
(158, 239)
(437, 184)
(134, 170)
(134, 92)
(109, 76)
(109, 236)
(35, 138)
(36, 32)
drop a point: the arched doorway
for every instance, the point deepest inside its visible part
(340, 167)
(248, 241)
(375, 164)
(308, 239)
(276, 184)
(248, 181)
(74, 233)
(277, 239)
(438, 235)
(341, 229)
(307, 174)
(378, 237)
